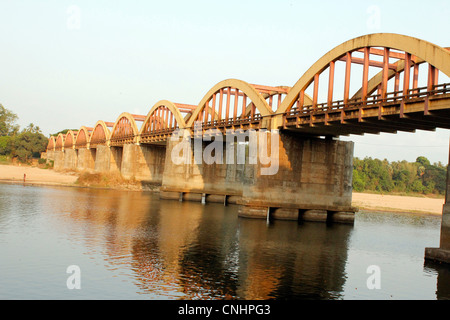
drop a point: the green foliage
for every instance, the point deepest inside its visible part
(5, 145)
(29, 145)
(24, 145)
(7, 122)
(400, 176)
(62, 131)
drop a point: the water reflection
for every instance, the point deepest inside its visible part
(192, 251)
(443, 278)
(185, 250)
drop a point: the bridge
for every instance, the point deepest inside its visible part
(371, 84)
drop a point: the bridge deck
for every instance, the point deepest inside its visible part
(419, 110)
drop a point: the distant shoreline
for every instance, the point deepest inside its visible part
(364, 201)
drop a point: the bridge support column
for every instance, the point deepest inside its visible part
(70, 159)
(50, 155)
(308, 179)
(143, 162)
(86, 159)
(192, 177)
(442, 254)
(313, 182)
(58, 160)
(115, 164)
(102, 159)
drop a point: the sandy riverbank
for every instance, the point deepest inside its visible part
(11, 173)
(364, 201)
(390, 203)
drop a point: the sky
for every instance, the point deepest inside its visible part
(67, 64)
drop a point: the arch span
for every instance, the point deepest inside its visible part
(164, 117)
(82, 140)
(51, 144)
(125, 129)
(216, 104)
(59, 145)
(406, 46)
(101, 134)
(69, 141)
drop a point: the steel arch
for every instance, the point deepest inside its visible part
(101, 134)
(51, 144)
(69, 141)
(59, 145)
(125, 130)
(247, 90)
(82, 140)
(426, 51)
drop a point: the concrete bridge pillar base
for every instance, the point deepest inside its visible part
(442, 254)
(296, 214)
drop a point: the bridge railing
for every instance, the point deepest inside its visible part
(225, 123)
(376, 99)
(94, 143)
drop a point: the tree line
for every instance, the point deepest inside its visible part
(399, 176)
(22, 144)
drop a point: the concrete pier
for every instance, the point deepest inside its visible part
(102, 159)
(143, 162)
(70, 159)
(86, 159)
(58, 158)
(313, 181)
(442, 254)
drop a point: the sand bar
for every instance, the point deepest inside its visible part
(11, 173)
(391, 203)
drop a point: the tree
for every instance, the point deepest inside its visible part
(423, 161)
(401, 176)
(29, 145)
(7, 122)
(5, 145)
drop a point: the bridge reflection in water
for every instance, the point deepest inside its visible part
(171, 249)
(186, 250)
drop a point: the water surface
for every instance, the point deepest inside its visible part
(132, 245)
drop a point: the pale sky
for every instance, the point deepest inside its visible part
(65, 64)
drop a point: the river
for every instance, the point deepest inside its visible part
(132, 245)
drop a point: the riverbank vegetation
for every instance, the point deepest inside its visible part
(22, 145)
(400, 177)
(107, 180)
